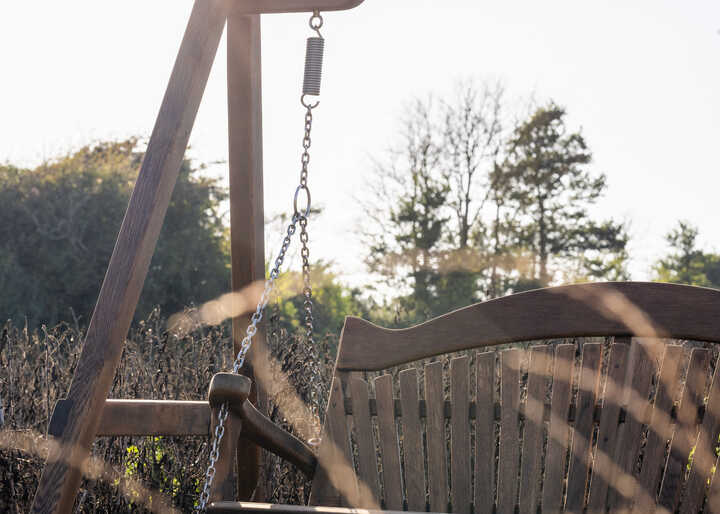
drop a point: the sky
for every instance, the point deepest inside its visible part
(640, 78)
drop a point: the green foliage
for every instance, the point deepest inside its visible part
(686, 263)
(59, 222)
(331, 301)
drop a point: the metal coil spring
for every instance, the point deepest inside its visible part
(313, 65)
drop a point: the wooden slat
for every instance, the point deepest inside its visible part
(367, 465)
(580, 455)
(532, 445)
(460, 435)
(247, 218)
(558, 429)
(659, 430)
(598, 309)
(275, 508)
(704, 457)
(412, 441)
(642, 369)
(131, 257)
(685, 430)
(509, 432)
(604, 463)
(713, 496)
(392, 482)
(334, 459)
(144, 417)
(485, 433)
(436, 439)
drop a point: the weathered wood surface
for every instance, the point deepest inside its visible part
(558, 430)
(274, 508)
(247, 217)
(659, 431)
(436, 437)
(704, 457)
(367, 466)
(598, 309)
(389, 447)
(131, 258)
(334, 457)
(224, 486)
(154, 417)
(509, 451)
(604, 464)
(581, 456)
(412, 441)
(685, 430)
(283, 6)
(532, 444)
(485, 433)
(460, 486)
(643, 368)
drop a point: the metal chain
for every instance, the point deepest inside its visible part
(300, 216)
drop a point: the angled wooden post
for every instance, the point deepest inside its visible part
(131, 258)
(247, 219)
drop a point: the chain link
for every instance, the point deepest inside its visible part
(300, 216)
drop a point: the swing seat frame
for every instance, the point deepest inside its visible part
(394, 443)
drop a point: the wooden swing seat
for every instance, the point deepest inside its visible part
(627, 422)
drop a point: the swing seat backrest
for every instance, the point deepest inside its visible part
(602, 409)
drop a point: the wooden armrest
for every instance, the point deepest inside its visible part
(259, 429)
(274, 508)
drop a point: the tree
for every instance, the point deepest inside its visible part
(545, 181)
(59, 221)
(465, 210)
(686, 263)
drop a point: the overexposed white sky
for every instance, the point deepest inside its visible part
(641, 77)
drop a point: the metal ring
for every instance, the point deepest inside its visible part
(316, 22)
(306, 105)
(295, 201)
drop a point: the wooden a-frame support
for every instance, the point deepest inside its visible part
(76, 419)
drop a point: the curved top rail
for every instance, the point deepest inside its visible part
(282, 6)
(642, 309)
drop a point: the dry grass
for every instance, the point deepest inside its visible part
(37, 370)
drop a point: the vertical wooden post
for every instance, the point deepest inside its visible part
(247, 219)
(130, 259)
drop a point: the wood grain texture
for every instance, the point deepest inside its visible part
(659, 430)
(685, 430)
(532, 444)
(284, 6)
(224, 486)
(637, 404)
(580, 455)
(509, 452)
(274, 508)
(412, 441)
(389, 448)
(599, 309)
(247, 217)
(334, 457)
(604, 464)
(154, 417)
(263, 432)
(704, 457)
(131, 257)
(558, 428)
(460, 435)
(436, 438)
(367, 465)
(485, 433)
